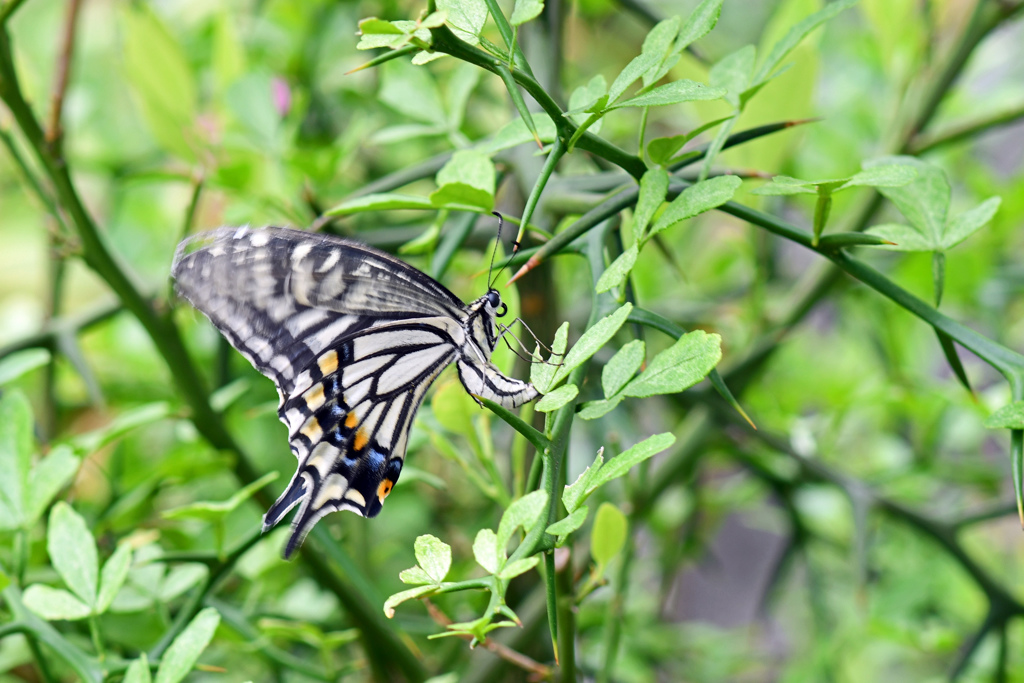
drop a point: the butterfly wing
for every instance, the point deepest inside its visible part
(351, 337)
(282, 297)
(349, 422)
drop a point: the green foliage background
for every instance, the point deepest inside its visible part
(866, 530)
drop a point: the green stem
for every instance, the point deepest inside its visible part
(614, 611)
(966, 131)
(447, 42)
(451, 242)
(567, 622)
(539, 441)
(552, 600)
(97, 641)
(557, 150)
(8, 10)
(516, 56)
(39, 631)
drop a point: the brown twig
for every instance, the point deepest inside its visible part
(539, 671)
(54, 132)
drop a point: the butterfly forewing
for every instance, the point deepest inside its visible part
(352, 337)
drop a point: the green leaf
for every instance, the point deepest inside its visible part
(796, 35)
(184, 651)
(1008, 417)
(584, 97)
(924, 202)
(784, 185)
(180, 579)
(618, 271)
(575, 493)
(412, 92)
(653, 188)
(696, 199)
(227, 395)
(732, 73)
(969, 222)
(619, 465)
(658, 45)
(158, 72)
(454, 409)
(516, 132)
(608, 536)
(127, 421)
(54, 604)
(216, 511)
(903, 237)
(398, 598)
(594, 409)
(889, 175)
(486, 551)
(73, 552)
(622, 366)
(380, 202)
(565, 526)
(115, 571)
(16, 447)
(461, 85)
(662, 150)
(591, 341)
(526, 10)
(514, 569)
(467, 178)
(415, 576)
(138, 671)
(636, 68)
(701, 21)
(541, 374)
(435, 556)
(466, 18)
(672, 93)
(523, 512)
(886, 175)
(434, 20)
(678, 367)
(557, 398)
(17, 364)
(47, 478)
(375, 25)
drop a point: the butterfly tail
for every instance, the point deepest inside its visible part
(289, 499)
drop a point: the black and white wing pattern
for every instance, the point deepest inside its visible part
(352, 337)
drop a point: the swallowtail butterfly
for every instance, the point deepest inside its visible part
(352, 337)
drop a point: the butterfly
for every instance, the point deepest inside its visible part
(352, 337)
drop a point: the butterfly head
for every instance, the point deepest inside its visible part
(494, 302)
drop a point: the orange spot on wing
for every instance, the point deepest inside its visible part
(384, 489)
(351, 421)
(361, 439)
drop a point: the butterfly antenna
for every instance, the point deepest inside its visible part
(501, 221)
(490, 268)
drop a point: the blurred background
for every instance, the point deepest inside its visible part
(866, 532)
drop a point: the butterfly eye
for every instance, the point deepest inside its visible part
(502, 311)
(493, 298)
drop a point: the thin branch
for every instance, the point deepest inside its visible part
(54, 132)
(7, 11)
(965, 131)
(500, 649)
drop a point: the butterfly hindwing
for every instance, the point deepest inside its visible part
(349, 418)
